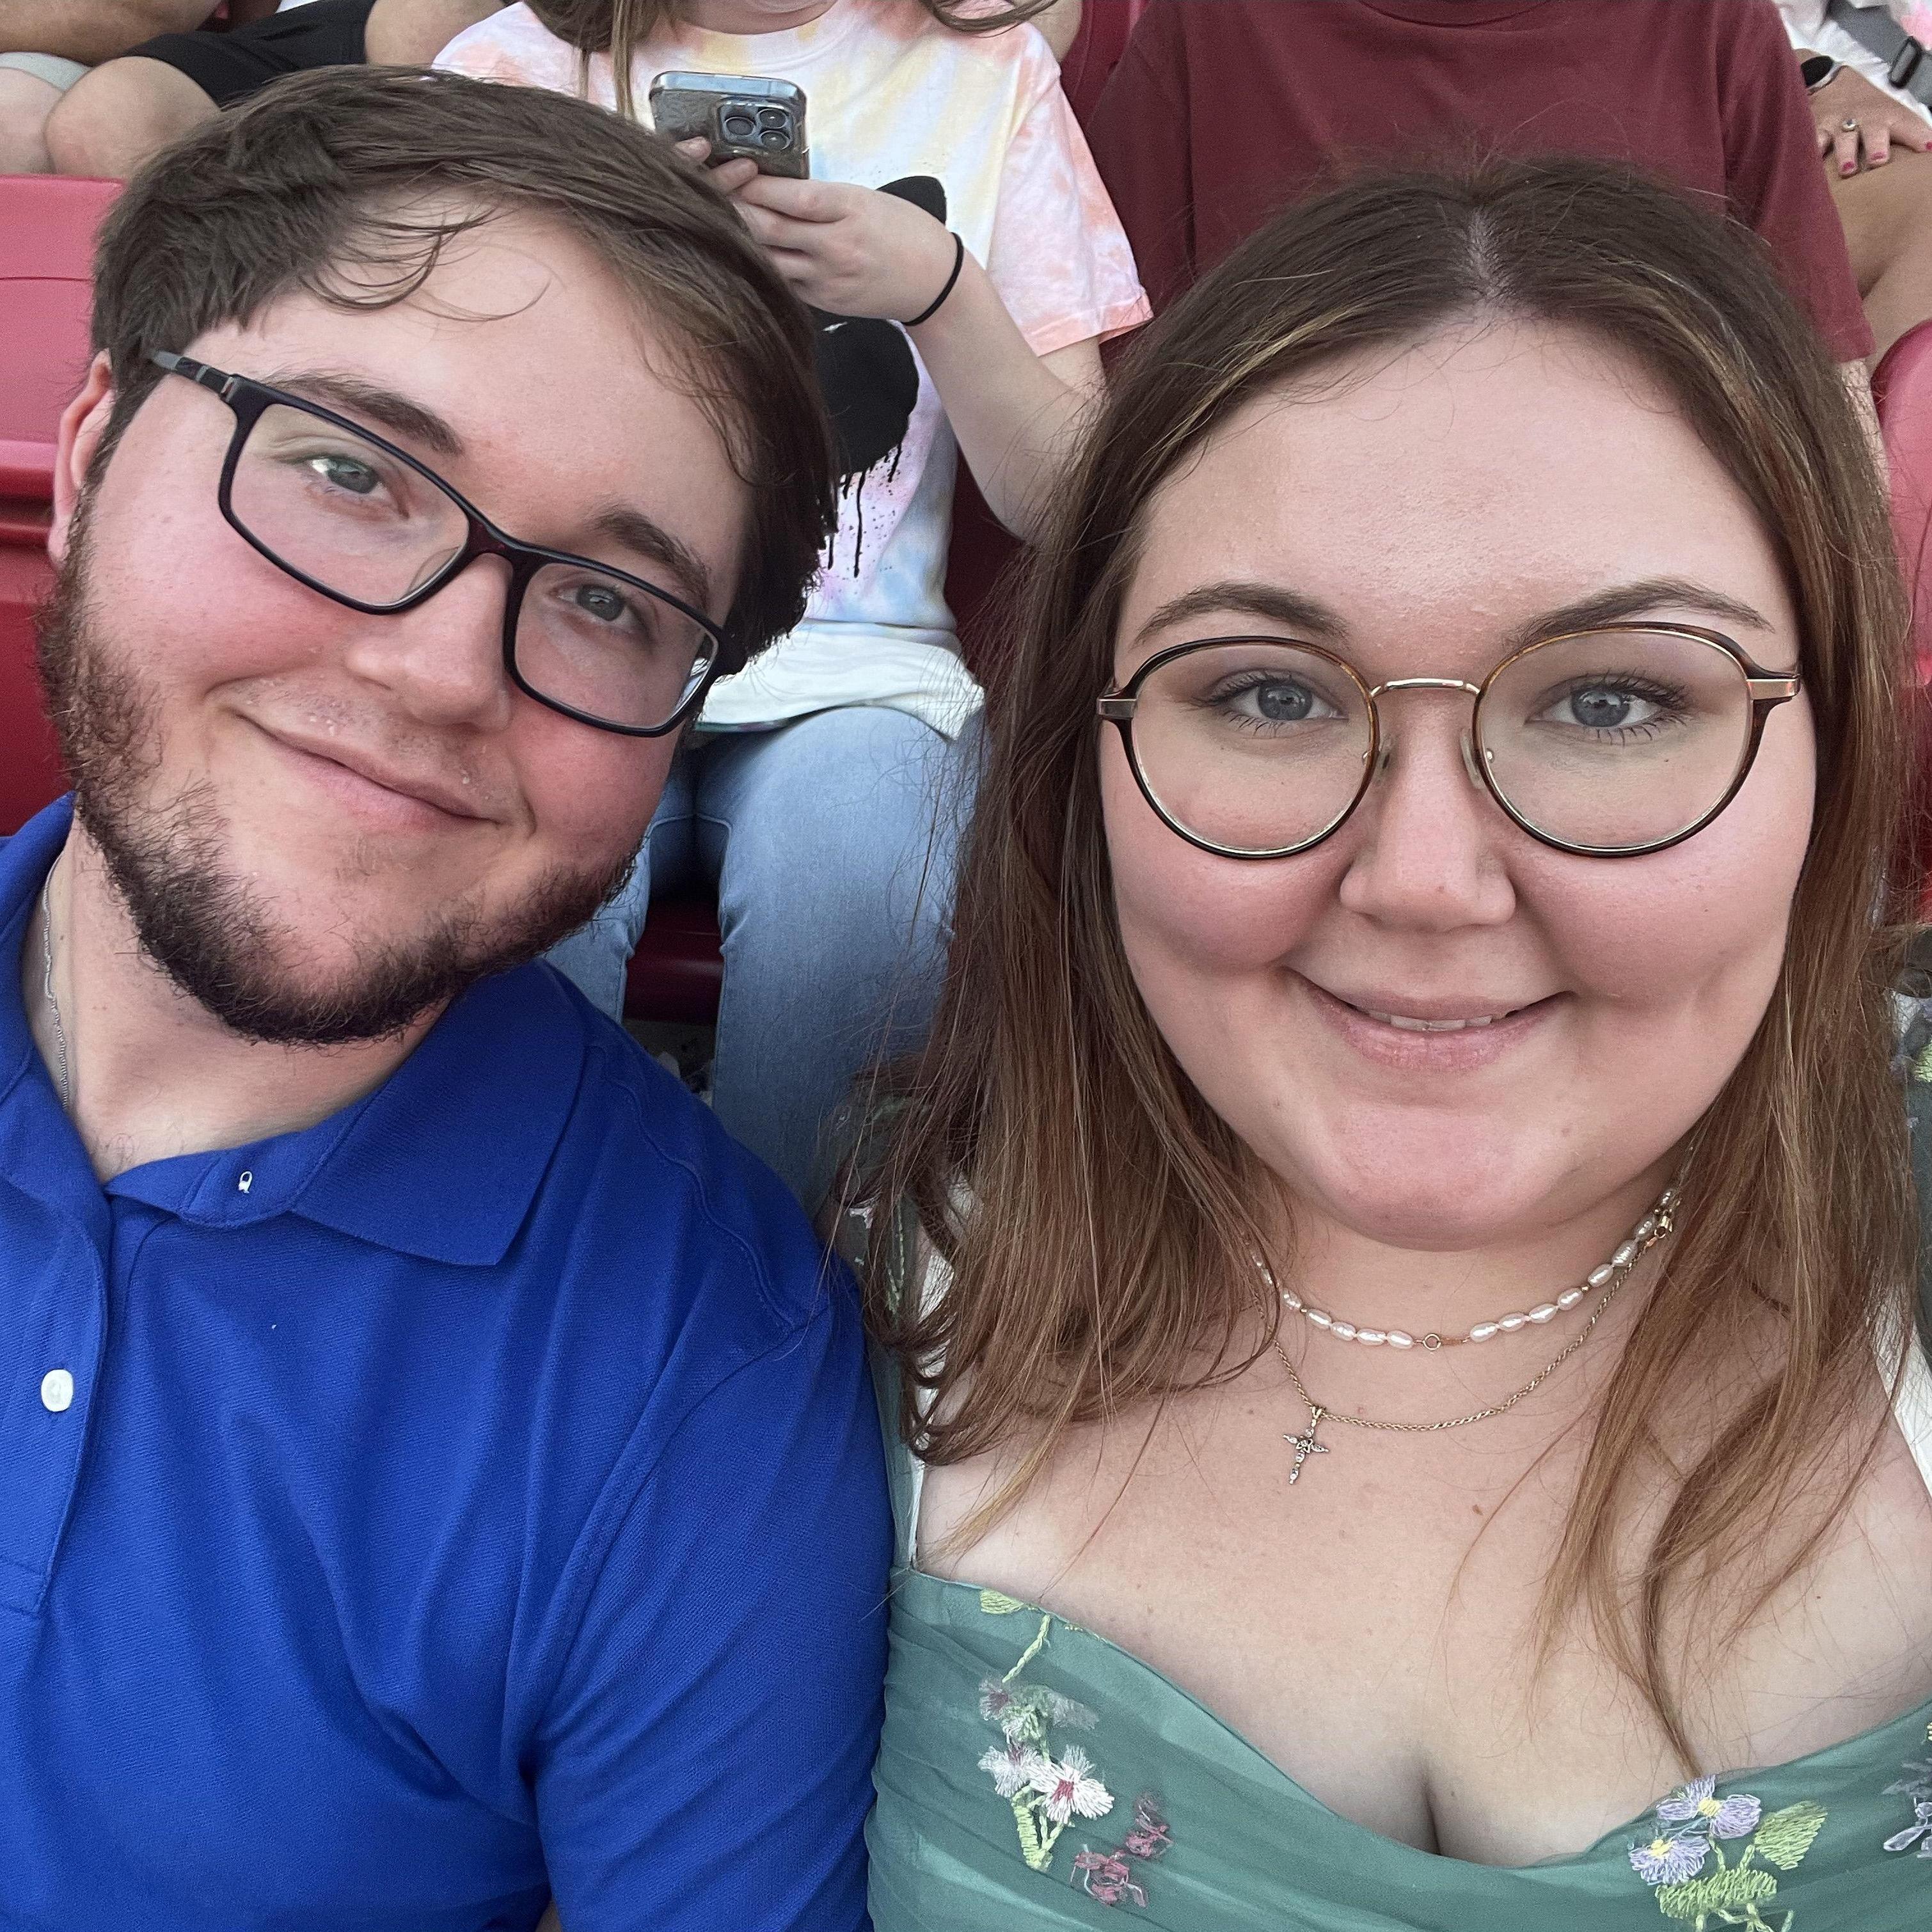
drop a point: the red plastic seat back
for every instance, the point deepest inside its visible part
(1902, 387)
(47, 227)
(29, 772)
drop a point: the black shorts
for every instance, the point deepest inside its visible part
(229, 67)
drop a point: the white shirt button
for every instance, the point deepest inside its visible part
(57, 1389)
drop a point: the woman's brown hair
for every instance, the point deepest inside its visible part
(618, 27)
(1119, 1231)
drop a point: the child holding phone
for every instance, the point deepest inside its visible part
(962, 311)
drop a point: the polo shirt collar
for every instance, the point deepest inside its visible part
(441, 1162)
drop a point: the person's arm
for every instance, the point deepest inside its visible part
(412, 33)
(703, 1757)
(1771, 175)
(1880, 122)
(93, 31)
(1061, 24)
(855, 251)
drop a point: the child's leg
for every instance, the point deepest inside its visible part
(835, 838)
(124, 110)
(31, 87)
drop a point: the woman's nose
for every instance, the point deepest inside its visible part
(1430, 853)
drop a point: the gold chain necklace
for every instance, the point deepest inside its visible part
(1307, 1443)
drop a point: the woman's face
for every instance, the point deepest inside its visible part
(1427, 507)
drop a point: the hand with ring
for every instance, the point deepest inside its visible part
(1857, 124)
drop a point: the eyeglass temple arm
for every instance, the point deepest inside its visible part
(1773, 690)
(1116, 710)
(195, 372)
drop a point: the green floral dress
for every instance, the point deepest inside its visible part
(1032, 1775)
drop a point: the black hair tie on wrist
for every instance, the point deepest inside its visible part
(939, 301)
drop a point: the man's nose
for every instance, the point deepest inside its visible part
(443, 662)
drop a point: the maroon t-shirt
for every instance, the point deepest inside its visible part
(1221, 111)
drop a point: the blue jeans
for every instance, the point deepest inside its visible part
(831, 841)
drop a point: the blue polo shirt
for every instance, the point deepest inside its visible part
(477, 1493)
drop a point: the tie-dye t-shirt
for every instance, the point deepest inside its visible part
(1809, 26)
(890, 93)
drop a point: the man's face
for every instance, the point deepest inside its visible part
(325, 822)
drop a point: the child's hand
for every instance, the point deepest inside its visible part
(850, 251)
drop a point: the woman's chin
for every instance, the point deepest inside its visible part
(1459, 1186)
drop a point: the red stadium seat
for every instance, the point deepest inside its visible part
(676, 970)
(47, 225)
(1902, 387)
(47, 256)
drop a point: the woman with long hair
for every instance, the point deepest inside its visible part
(1397, 1267)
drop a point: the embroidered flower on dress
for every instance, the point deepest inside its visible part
(1046, 1791)
(1670, 1861)
(1697, 1803)
(1107, 1877)
(1010, 1766)
(1918, 1832)
(995, 1701)
(1068, 1789)
(1690, 1822)
(1064, 1711)
(1916, 1785)
(1150, 1836)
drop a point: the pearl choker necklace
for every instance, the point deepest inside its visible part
(1598, 1279)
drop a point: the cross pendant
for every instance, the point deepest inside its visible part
(1305, 1445)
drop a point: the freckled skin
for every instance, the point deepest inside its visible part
(1369, 1629)
(1426, 499)
(232, 651)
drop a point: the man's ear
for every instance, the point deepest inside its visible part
(82, 424)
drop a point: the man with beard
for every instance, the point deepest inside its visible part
(436, 1469)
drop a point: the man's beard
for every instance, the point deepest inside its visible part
(207, 930)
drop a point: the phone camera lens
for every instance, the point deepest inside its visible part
(774, 117)
(739, 126)
(775, 138)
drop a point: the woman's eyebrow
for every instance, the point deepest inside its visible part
(1623, 602)
(1306, 616)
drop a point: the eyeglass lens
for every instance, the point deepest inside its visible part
(346, 514)
(1608, 740)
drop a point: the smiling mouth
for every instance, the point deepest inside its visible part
(1407, 1023)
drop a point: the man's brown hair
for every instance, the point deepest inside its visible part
(348, 183)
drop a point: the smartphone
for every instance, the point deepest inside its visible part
(744, 116)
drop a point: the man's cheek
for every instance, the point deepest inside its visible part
(588, 811)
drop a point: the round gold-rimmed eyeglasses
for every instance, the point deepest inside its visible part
(1611, 742)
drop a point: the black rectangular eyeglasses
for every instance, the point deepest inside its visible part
(346, 513)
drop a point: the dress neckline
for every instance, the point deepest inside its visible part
(1912, 1725)
(1911, 1409)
